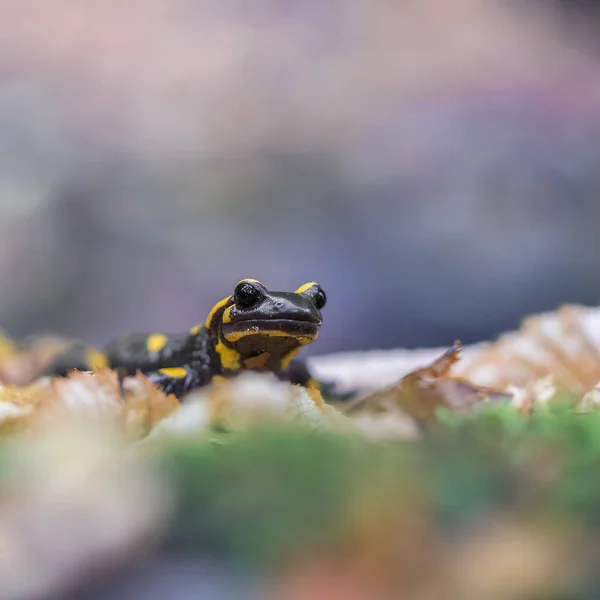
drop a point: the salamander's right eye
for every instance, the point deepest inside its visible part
(247, 294)
(320, 298)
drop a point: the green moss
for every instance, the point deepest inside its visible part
(495, 458)
(268, 491)
(273, 493)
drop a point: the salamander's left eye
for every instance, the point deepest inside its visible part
(246, 294)
(315, 292)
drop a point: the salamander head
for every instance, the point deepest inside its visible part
(261, 329)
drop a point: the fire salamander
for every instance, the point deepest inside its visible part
(254, 328)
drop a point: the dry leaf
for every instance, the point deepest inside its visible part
(83, 395)
(18, 405)
(421, 392)
(536, 393)
(98, 397)
(145, 405)
(564, 343)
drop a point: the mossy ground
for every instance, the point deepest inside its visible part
(269, 496)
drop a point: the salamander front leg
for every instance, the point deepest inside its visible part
(299, 374)
(177, 380)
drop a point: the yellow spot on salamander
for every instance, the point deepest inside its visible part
(313, 384)
(175, 372)
(227, 315)
(219, 379)
(214, 310)
(305, 287)
(287, 359)
(303, 338)
(156, 342)
(195, 330)
(95, 359)
(230, 358)
(249, 280)
(316, 397)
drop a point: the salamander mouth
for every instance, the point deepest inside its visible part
(293, 328)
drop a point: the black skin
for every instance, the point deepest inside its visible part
(254, 329)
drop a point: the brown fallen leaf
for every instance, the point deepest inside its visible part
(564, 343)
(134, 409)
(422, 391)
(145, 405)
(84, 395)
(18, 405)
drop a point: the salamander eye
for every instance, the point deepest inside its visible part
(315, 292)
(320, 298)
(246, 295)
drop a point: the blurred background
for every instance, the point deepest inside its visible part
(434, 164)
